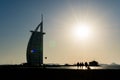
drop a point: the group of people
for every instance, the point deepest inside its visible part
(81, 65)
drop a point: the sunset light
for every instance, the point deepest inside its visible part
(76, 31)
(81, 31)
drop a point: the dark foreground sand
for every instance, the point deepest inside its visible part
(21, 73)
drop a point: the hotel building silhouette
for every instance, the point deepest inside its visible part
(34, 51)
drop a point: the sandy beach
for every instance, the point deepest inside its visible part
(58, 74)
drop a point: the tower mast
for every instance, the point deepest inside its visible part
(41, 29)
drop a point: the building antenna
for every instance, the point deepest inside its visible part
(42, 17)
(41, 29)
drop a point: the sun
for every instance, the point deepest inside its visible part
(81, 31)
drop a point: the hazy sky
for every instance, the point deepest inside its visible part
(18, 17)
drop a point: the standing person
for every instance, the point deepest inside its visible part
(78, 64)
(82, 64)
(86, 64)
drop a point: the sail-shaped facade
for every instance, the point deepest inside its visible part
(34, 52)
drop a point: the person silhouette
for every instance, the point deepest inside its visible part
(82, 64)
(86, 64)
(78, 64)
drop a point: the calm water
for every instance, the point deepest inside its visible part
(91, 67)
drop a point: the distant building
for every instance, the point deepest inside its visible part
(93, 63)
(34, 52)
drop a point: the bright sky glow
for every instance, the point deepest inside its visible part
(76, 30)
(81, 31)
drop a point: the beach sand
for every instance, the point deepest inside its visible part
(36, 73)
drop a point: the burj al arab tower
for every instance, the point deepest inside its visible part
(34, 51)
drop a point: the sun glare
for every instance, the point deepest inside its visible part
(81, 31)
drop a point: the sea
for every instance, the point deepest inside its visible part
(104, 66)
